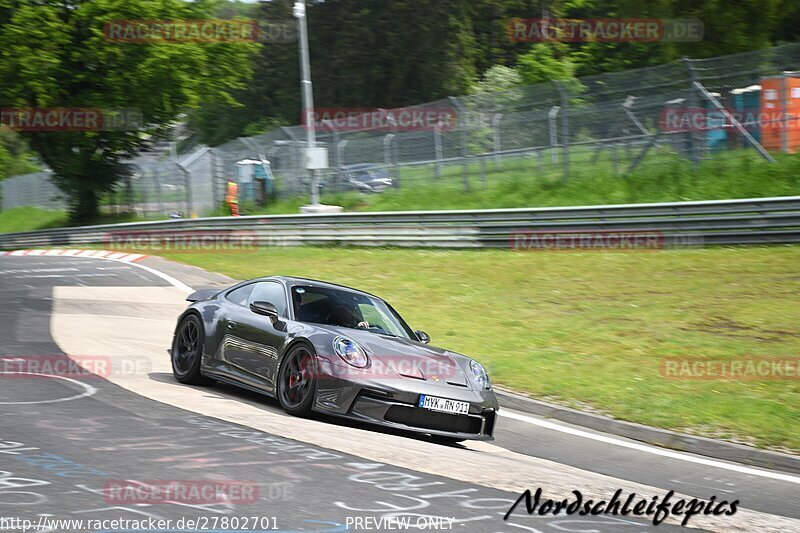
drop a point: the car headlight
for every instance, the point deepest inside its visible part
(350, 352)
(479, 374)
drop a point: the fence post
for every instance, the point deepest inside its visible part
(159, 190)
(564, 127)
(437, 146)
(340, 162)
(784, 114)
(387, 149)
(693, 104)
(390, 156)
(188, 183)
(553, 127)
(461, 117)
(396, 154)
(497, 147)
(614, 159)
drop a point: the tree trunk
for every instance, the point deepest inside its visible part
(84, 208)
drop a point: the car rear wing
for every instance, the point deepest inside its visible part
(202, 295)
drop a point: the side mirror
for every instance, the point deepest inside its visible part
(265, 309)
(422, 336)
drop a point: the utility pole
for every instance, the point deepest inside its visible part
(307, 92)
(315, 158)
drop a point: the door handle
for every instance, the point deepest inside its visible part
(232, 325)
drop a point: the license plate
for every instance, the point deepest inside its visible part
(443, 405)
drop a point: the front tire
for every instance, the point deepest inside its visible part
(187, 352)
(297, 381)
(447, 441)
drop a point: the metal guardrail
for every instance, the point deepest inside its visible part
(746, 221)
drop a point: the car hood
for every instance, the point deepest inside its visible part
(412, 359)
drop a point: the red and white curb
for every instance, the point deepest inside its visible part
(98, 254)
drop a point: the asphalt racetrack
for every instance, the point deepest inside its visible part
(67, 438)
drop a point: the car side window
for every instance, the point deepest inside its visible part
(239, 296)
(272, 292)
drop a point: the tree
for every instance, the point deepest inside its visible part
(55, 55)
(271, 96)
(15, 157)
(498, 78)
(546, 62)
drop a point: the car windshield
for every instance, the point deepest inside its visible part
(341, 308)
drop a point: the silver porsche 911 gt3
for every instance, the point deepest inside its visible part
(322, 347)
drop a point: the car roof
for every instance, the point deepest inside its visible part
(316, 283)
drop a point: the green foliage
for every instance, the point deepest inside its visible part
(15, 156)
(56, 55)
(496, 79)
(546, 62)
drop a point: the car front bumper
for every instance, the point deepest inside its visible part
(393, 402)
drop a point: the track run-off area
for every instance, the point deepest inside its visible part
(66, 439)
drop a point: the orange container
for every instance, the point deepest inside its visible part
(780, 113)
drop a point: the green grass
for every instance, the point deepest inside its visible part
(19, 219)
(29, 219)
(520, 183)
(589, 329)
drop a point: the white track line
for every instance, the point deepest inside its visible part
(647, 449)
(119, 257)
(166, 277)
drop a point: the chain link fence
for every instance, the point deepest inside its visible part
(688, 110)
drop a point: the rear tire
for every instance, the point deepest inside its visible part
(187, 352)
(297, 381)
